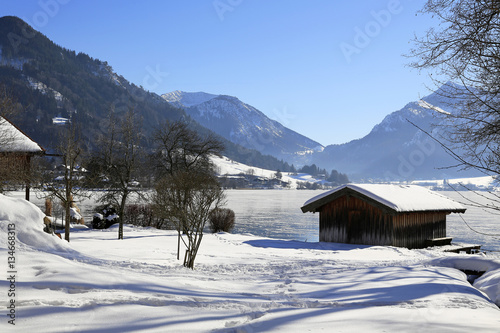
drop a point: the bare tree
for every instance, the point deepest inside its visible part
(71, 186)
(465, 50)
(187, 188)
(120, 158)
(186, 198)
(181, 148)
(7, 110)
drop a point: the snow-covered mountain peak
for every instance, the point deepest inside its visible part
(398, 148)
(243, 124)
(429, 106)
(414, 111)
(187, 99)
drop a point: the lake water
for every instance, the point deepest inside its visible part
(274, 213)
(277, 214)
(486, 223)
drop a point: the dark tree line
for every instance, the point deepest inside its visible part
(334, 177)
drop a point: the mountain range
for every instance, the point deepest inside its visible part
(397, 148)
(54, 85)
(245, 125)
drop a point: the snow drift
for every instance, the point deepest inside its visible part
(489, 282)
(28, 221)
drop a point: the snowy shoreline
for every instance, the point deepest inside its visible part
(241, 283)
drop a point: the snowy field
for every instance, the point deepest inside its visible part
(241, 283)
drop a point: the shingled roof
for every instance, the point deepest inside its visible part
(396, 198)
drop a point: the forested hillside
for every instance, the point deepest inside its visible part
(54, 85)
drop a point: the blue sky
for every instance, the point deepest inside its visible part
(328, 69)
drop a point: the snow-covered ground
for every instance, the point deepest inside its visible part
(241, 283)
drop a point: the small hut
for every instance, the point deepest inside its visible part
(16, 151)
(383, 214)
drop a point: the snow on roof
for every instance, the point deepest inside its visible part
(400, 198)
(13, 140)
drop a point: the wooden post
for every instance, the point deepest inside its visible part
(178, 243)
(28, 176)
(27, 195)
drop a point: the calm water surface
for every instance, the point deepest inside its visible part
(277, 214)
(274, 213)
(477, 225)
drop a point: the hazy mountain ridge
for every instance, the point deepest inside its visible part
(397, 150)
(243, 124)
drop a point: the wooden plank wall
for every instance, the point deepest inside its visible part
(14, 167)
(354, 221)
(412, 230)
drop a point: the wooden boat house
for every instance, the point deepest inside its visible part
(383, 214)
(16, 151)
